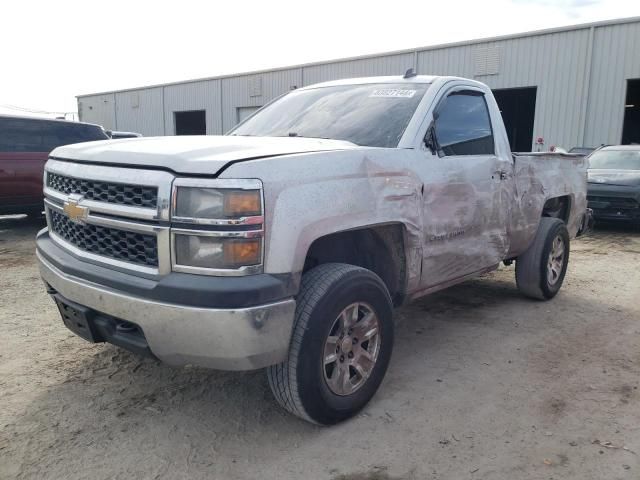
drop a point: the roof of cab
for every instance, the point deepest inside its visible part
(396, 79)
(368, 80)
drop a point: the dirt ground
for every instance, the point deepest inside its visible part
(483, 384)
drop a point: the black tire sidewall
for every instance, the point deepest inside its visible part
(322, 405)
(550, 291)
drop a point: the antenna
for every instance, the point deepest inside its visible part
(409, 73)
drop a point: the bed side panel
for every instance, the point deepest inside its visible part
(539, 177)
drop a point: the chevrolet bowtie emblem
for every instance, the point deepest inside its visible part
(75, 212)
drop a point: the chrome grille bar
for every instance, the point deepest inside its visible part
(117, 219)
(107, 192)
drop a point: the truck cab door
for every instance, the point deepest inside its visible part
(465, 200)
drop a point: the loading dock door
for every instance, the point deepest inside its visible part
(193, 122)
(518, 108)
(631, 128)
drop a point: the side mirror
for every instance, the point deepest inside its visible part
(430, 139)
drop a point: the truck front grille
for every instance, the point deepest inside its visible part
(114, 243)
(109, 192)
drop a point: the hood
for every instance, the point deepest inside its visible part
(626, 178)
(204, 154)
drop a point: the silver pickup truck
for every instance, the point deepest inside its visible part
(287, 243)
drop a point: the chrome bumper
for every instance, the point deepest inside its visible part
(225, 339)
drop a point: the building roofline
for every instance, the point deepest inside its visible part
(532, 33)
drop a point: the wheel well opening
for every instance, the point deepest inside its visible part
(377, 248)
(557, 207)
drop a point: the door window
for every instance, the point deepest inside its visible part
(60, 133)
(28, 135)
(463, 125)
(18, 135)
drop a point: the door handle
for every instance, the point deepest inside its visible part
(502, 174)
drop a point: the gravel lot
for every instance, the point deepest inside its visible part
(483, 384)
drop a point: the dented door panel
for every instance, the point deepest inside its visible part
(464, 229)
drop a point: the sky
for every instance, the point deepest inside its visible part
(51, 51)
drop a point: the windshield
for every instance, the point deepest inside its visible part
(615, 159)
(373, 115)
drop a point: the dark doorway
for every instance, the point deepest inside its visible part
(518, 108)
(631, 126)
(193, 122)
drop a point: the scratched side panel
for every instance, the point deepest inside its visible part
(540, 177)
(311, 195)
(464, 217)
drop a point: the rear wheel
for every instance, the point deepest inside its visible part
(541, 269)
(341, 345)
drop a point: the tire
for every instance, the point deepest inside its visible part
(535, 276)
(307, 386)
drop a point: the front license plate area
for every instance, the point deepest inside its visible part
(598, 205)
(76, 318)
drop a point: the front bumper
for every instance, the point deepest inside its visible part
(226, 339)
(614, 202)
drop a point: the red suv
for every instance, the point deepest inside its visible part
(25, 144)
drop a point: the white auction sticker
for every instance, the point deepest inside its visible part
(393, 93)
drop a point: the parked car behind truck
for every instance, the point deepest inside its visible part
(287, 243)
(25, 144)
(614, 184)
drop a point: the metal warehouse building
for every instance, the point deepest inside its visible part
(573, 86)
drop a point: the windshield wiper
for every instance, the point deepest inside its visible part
(296, 134)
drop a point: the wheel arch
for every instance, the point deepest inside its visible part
(558, 207)
(380, 248)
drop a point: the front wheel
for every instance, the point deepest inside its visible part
(541, 269)
(340, 347)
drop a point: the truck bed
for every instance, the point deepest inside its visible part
(541, 176)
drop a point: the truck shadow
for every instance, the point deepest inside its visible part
(20, 226)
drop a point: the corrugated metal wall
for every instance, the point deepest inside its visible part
(140, 111)
(255, 91)
(554, 63)
(616, 59)
(100, 109)
(580, 75)
(193, 96)
(366, 67)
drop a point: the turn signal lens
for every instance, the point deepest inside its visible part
(242, 252)
(242, 203)
(203, 251)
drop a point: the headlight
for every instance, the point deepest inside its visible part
(225, 235)
(210, 203)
